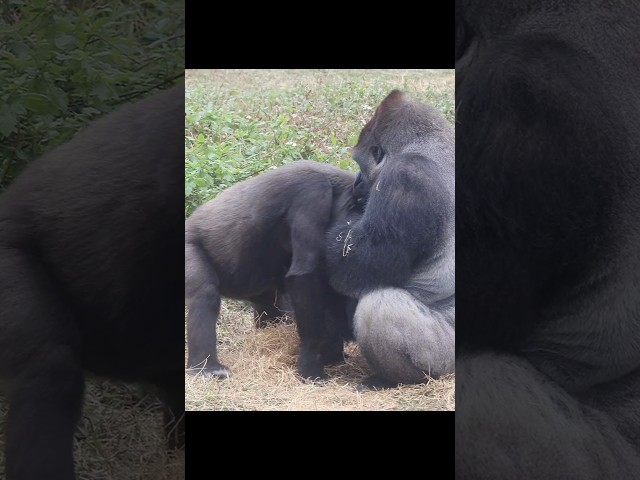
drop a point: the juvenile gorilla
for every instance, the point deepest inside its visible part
(263, 237)
(548, 236)
(88, 241)
(398, 259)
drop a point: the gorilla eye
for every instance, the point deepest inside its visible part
(377, 153)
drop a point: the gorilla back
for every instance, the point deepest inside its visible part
(88, 242)
(399, 258)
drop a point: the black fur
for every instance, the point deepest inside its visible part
(402, 248)
(88, 241)
(548, 203)
(272, 307)
(259, 239)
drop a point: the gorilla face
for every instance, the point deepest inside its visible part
(370, 156)
(400, 124)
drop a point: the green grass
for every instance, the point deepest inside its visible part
(64, 63)
(241, 123)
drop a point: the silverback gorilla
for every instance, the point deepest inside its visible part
(398, 259)
(548, 237)
(258, 239)
(88, 242)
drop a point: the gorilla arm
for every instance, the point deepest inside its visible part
(401, 226)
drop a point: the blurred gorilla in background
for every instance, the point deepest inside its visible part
(548, 238)
(90, 279)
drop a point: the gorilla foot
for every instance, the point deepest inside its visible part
(213, 371)
(319, 381)
(311, 367)
(313, 376)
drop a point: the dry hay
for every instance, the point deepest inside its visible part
(120, 435)
(264, 377)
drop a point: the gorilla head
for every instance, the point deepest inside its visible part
(399, 125)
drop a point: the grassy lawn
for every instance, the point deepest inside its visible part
(240, 123)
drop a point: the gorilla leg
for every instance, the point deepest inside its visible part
(401, 338)
(172, 396)
(203, 300)
(338, 321)
(39, 371)
(318, 343)
(307, 284)
(44, 409)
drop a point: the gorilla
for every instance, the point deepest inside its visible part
(88, 240)
(398, 258)
(260, 239)
(548, 236)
